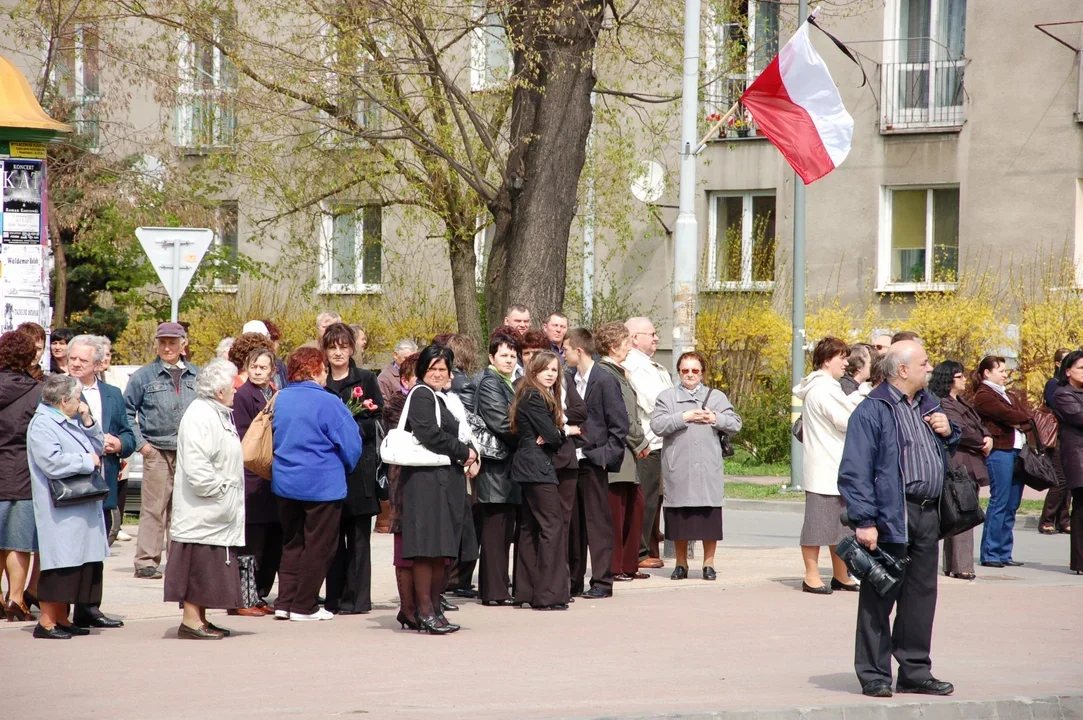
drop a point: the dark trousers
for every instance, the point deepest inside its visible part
(87, 611)
(915, 602)
(591, 528)
(626, 511)
(1077, 530)
(460, 574)
(310, 537)
(567, 481)
(649, 476)
(349, 579)
(264, 542)
(541, 570)
(497, 532)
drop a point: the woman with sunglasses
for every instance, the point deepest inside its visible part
(949, 383)
(690, 419)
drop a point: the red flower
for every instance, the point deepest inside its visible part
(369, 404)
(358, 393)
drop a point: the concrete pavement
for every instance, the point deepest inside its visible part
(749, 643)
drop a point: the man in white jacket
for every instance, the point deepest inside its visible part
(648, 379)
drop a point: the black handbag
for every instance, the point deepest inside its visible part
(76, 489)
(1035, 468)
(249, 593)
(489, 445)
(959, 507)
(724, 439)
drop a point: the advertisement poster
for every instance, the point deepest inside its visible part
(22, 201)
(18, 309)
(20, 268)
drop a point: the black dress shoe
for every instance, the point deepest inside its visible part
(992, 563)
(200, 633)
(850, 587)
(822, 590)
(877, 688)
(74, 630)
(932, 686)
(464, 593)
(679, 573)
(57, 633)
(709, 573)
(98, 621)
(597, 593)
(447, 606)
(498, 603)
(1013, 563)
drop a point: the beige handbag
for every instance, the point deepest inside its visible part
(258, 443)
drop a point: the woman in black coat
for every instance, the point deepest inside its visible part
(947, 383)
(432, 511)
(497, 496)
(262, 528)
(541, 570)
(349, 579)
(1068, 407)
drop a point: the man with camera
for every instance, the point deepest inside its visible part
(891, 475)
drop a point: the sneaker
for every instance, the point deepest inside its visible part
(320, 614)
(148, 573)
(282, 614)
(123, 536)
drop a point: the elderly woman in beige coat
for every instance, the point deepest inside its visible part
(691, 419)
(208, 506)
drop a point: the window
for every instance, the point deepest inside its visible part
(352, 250)
(490, 54)
(228, 218)
(76, 73)
(741, 40)
(922, 76)
(350, 70)
(205, 104)
(919, 232)
(741, 247)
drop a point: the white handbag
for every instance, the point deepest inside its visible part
(402, 448)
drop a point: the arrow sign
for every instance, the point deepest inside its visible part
(175, 254)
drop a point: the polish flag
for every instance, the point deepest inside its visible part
(796, 104)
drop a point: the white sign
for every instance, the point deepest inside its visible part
(175, 254)
(20, 268)
(18, 310)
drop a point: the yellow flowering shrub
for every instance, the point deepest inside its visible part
(743, 338)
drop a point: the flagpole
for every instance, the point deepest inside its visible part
(797, 346)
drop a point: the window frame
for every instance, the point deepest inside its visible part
(326, 254)
(221, 284)
(481, 37)
(191, 96)
(714, 44)
(884, 247)
(85, 101)
(746, 283)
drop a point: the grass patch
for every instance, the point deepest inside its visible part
(130, 519)
(742, 463)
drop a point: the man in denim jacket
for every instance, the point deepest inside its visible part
(156, 397)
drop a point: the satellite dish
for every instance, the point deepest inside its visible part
(650, 183)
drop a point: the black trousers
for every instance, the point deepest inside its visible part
(591, 529)
(349, 579)
(310, 536)
(915, 602)
(264, 542)
(460, 574)
(541, 568)
(1077, 530)
(497, 532)
(88, 611)
(649, 476)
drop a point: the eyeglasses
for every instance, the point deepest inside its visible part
(880, 348)
(957, 376)
(690, 371)
(650, 334)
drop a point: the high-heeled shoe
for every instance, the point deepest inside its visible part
(446, 605)
(19, 612)
(30, 600)
(429, 625)
(442, 621)
(405, 622)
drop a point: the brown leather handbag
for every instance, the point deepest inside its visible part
(1045, 425)
(258, 443)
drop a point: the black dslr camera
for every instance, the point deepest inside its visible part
(877, 567)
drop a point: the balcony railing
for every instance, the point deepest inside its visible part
(922, 96)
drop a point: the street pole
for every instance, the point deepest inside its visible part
(797, 346)
(174, 300)
(686, 233)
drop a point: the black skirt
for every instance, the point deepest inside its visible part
(199, 574)
(693, 523)
(72, 585)
(433, 509)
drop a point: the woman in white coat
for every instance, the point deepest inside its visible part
(208, 507)
(71, 538)
(825, 414)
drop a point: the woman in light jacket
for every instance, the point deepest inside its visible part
(826, 412)
(208, 506)
(690, 419)
(72, 541)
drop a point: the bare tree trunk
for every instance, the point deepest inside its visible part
(550, 119)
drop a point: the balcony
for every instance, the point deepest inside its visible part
(917, 97)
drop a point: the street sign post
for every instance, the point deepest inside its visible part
(175, 254)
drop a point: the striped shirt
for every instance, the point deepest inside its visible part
(921, 454)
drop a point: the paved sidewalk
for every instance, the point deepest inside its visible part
(749, 642)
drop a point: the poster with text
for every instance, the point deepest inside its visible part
(20, 268)
(18, 309)
(22, 201)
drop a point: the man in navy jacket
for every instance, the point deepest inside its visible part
(891, 476)
(602, 452)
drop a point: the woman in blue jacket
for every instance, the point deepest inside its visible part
(316, 444)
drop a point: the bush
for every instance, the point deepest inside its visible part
(765, 414)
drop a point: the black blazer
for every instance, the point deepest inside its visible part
(361, 493)
(575, 411)
(442, 438)
(607, 419)
(533, 463)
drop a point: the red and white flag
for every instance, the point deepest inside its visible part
(796, 104)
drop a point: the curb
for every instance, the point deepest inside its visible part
(1022, 522)
(1052, 707)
